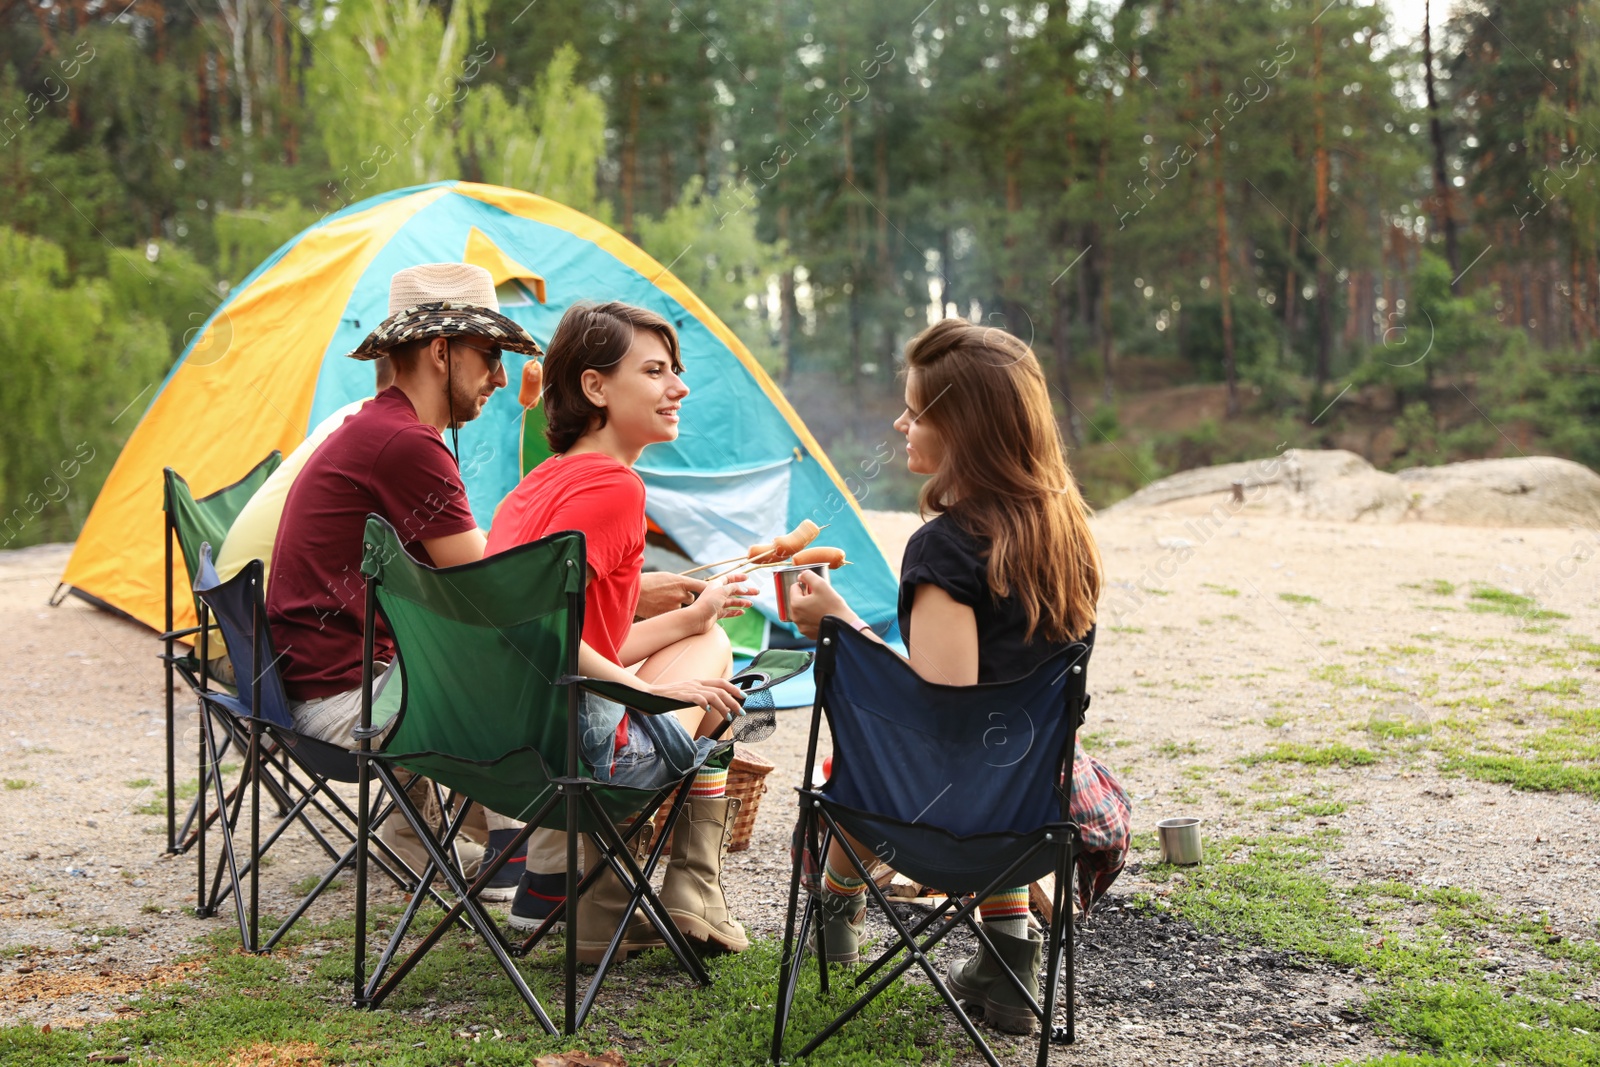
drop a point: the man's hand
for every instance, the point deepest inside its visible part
(661, 592)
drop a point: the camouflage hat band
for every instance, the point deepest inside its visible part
(446, 319)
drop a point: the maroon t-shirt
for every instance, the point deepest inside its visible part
(382, 461)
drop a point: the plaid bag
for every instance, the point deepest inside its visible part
(1104, 815)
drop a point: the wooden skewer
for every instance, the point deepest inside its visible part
(709, 566)
(730, 559)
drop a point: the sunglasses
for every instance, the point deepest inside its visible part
(492, 355)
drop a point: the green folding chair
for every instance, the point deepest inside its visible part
(191, 523)
(486, 704)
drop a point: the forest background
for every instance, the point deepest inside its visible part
(1223, 225)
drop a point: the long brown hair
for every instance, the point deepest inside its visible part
(591, 337)
(1005, 478)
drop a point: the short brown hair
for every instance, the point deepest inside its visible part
(591, 337)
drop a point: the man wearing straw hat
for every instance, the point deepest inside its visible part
(444, 336)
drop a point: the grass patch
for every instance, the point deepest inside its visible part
(1436, 586)
(1529, 775)
(1397, 729)
(650, 1013)
(1336, 754)
(1221, 589)
(19, 783)
(1323, 808)
(1562, 759)
(1434, 994)
(1490, 599)
(1298, 598)
(1126, 629)
(1177, 749)
(140, 783)
(157, 804)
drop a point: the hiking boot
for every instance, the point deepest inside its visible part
(978, 980)
(538, 895)
(692, 892)
(600, 910)
(839, 925)
(398, 835)
(503, 886)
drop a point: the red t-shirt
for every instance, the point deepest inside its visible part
(602, 498)
(383, 460)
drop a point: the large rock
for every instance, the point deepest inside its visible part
(1340, 486)
(1300, 483)
(1528, 491)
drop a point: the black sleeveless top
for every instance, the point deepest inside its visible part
(941, 553)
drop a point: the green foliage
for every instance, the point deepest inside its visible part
(389, 77)
(80, 362)
(549, 140)
(722, 260)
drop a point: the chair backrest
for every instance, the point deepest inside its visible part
(967, 761)
(208, 519)
(481, 649)
(237, 608)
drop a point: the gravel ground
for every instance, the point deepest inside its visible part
(1201, 659)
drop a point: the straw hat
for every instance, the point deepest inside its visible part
(444, 300)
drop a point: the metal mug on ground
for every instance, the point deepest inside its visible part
(783, 579)
(1180, 841)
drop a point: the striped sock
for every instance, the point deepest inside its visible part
(1006, 912)
(842, 883)
(710, 782)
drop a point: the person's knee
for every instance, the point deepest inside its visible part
(716, 644)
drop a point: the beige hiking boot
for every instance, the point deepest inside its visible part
(692, 893)
(600, 909)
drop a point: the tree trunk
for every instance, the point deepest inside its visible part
(1229, 371)
(1324, 281)
(630, 152)
(1445, 219)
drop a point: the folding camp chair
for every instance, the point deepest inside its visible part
(190, 523)
(296, 768)
(966, 789)
(488, 705)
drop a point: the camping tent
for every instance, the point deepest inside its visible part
(270, 363)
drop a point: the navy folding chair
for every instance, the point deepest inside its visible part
(189, 522)
(297, 770)
(964, 788)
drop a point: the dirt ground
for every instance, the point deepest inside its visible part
(1215, 643)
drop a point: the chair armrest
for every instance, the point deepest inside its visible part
(176, 634)
(626, 695)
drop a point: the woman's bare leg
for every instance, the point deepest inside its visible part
(707, 655)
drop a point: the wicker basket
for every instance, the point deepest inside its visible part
(747, 780)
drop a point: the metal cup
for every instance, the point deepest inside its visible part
(1180, 841)
(783, 579)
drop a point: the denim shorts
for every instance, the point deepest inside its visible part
(659, 750)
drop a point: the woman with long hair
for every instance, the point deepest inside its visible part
(1004, 574)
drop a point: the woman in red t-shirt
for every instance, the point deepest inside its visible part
(612, 386)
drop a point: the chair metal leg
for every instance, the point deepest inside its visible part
(477, 918)
(229, 855)
(200, 805)
(789, 962)
(253, 759)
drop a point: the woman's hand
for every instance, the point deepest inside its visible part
(810, 599)
(712, 694)
(723, 599)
